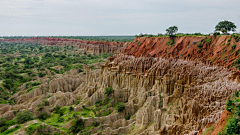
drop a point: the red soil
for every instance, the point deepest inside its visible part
(220, 125)
(214, 53)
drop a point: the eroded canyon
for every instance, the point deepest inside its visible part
(166, 90)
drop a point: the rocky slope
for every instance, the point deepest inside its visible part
(219, 50)
(163, 95)
(96, 47)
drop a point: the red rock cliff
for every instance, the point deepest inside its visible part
(218, 52)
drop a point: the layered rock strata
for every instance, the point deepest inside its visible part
(214, 50)
(162, 96)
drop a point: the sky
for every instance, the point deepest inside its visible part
(113, 17)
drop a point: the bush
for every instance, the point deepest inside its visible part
(209, 40)
(199, 45)
(216, 33)
(43, 130)
(77, 125)
(61, 112)
(71, 108)
(77, 102)
(45, 103)
(43, 116)
(95, 123)
(108, 91)
(10, 122)
(41, 74)
(120, 107)
(233, 127)
(24, 116)
(2, 129)
(233, 46)
(31, 89)
(2, 121)
(230, 106)
(60, 120)
(31, 128)
(56, 109)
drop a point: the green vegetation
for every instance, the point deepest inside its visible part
(109, 91)
(77, 125)
(24, 116)
(233, 106)
(32, 128)
(43, 116)
(225, 26)
(101, 38)
(120, 106)
(233, 46)
(208, 130)
(24, 63)
(237, 63)
(171, 31)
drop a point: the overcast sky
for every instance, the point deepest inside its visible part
(113, 17)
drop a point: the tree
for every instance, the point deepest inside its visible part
(171, 30)
(120, 106)
(24, 116)
(225, 26)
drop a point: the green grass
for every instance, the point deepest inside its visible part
(31, 89)
(32, 128)
(7, 132)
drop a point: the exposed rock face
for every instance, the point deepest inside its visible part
(217, 52)
(163, 96)
(96, 47)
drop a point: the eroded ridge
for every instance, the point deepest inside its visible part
(162, 96)
(95, 47)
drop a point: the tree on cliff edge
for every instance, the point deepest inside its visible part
(171, 30)
(225, 26)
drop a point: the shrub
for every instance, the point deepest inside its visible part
(2, 121)
(77, 102)
(209, 40)
(2, 129)
(95, 123)
(60, 120)
(108, 91)
(61, 112)
(31, 89)
(233, 46)
(45, 103)
(171, 42)
(230, 106)
(99, 102)
(24, 116)
(107, 112)
(77, 125)
(43, 116)
(233, 127)
(71, 108)
(199, 45)
(43, 130)
(10, 122)
(120, 107)
(41, 74)
(31, 128)
(216, 33)
(56, 109)
(236, 93)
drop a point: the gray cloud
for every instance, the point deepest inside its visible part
(112, 17)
